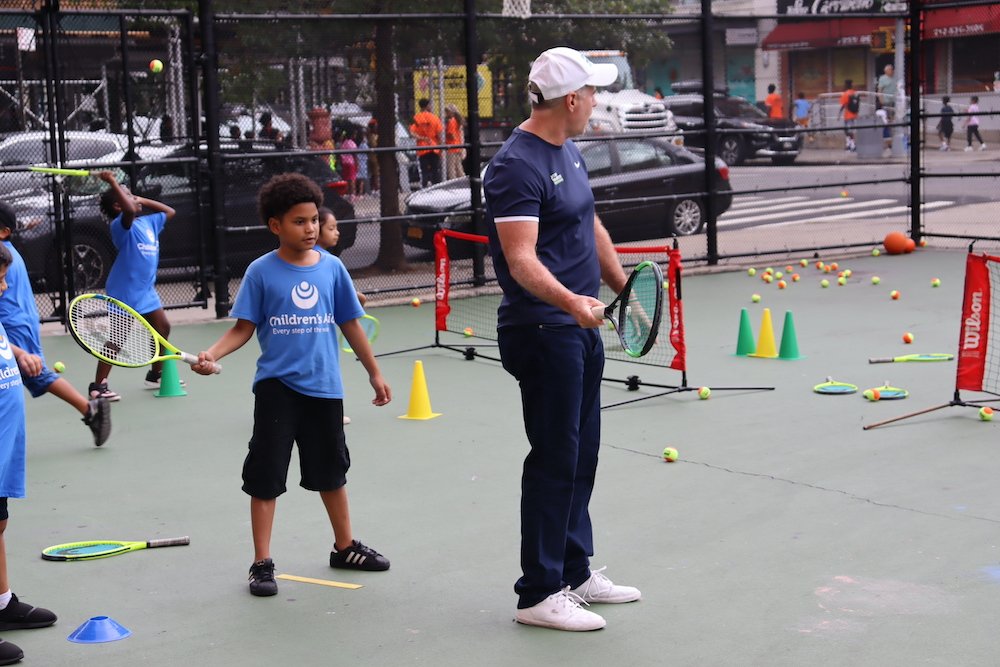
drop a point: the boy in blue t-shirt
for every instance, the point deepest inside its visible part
(294, 298)
(14, 614)
(20, 318)
(132, 278)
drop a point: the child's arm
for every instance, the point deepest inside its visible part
(362, 299)
(30, 364)
(157, 206)
(355, 335)
(229, 342)
(129, 206)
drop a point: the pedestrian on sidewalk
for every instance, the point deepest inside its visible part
(850, 105)
(945, 126)
(972, 125)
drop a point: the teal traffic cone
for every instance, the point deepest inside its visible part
(745, 344)
(789, 341)
(170, 381)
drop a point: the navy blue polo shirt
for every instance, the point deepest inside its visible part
(531, 179)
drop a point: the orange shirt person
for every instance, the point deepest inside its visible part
(428, 131)
(774, 103)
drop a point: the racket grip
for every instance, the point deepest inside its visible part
(598, 312)
(881, 360)
(192, 360)
(168, 542)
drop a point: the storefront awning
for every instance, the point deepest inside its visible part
(823, 34)
(961, 21)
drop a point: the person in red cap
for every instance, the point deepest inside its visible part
(550, 252)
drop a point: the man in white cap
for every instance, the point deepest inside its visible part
(550, 252)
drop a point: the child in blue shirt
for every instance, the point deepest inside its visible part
(293, 298)
(132, 278)
(14, 614)
(20, 318)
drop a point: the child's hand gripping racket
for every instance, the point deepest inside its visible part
(636, 311)
(114, 332)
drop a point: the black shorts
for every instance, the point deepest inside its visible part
(4, 514)
(283, 416)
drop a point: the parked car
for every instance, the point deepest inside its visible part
(31, 149)
(174, 179)
(744, 131)
(644, 187)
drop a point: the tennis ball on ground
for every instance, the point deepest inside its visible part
(779, 275)
(907, 338)
(820, 265)
(751, 272)
(876, 252)
(803, 262)
(843, 193)
(872, 394)
(669, 454)
(876, 280)
(755, 298)
(59, 367)
(468, 332)
(155, 65)
(789, 268)
(704, 393)
(894, 295)
(923, 243)
(985, 413)
(767, 277)
(848, 273)
(795, 277)
(936, 282)
(834, 266)
(415, 302)
(841, 281)
(782, 284)
(769, 270)
(824, 283)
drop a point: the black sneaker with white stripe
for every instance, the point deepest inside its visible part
(359, 557)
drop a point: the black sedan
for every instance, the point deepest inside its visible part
(644, 187)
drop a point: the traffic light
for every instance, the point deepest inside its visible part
(884, 40)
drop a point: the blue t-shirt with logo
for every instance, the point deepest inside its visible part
(11, 423)
(17, 306)
(531, 179)
(295, 310)
(132, 278)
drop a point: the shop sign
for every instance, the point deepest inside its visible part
(808, 7)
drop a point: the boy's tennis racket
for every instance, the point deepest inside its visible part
(58, 171)
(930, 356)
(369, 324)
(831, 386)
(106, 548)
(113, 332)
(635, 312)
(887, 393)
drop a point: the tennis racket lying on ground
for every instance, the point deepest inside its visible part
(58, 171)
(636, 311)
(831, 386)
(113, 332)
(886, 393)
(369, 324)
(930, 356)
(106, 548)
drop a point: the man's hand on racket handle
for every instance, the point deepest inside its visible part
(581, 307)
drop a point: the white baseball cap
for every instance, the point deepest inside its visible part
(562, 70)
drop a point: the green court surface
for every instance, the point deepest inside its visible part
(784, 534)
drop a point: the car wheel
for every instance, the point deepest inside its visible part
(91, 260)
(783, 160)
(731, 150)
(686, 217)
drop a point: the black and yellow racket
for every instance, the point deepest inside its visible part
(106, 548)
(930, 356)
(831, 386)
(636, 311)
(115, 333)
(59, 171)
(369, 324)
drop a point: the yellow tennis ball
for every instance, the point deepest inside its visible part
(155, 65)
(704, 393)
(936, 282)
(872, 394)
(876, 252)
(803, 262)
(894, 295)
(751, 272)
(824, 283)
(415, 302)
(669, 454)
(468, 332)
(985, 413)
(59, 367)
(876, 280)
(769, 270)
(755, 298)
(795, 277)
(779, 275)
(842, 280)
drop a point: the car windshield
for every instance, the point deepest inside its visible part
(737, 107)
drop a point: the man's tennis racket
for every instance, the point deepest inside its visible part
(831, 386)
(369, 324)
(930, 356)
(635, 312)
(106, 548)
(115, 333)
(58, 171)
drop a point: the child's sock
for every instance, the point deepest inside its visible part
(5, 599)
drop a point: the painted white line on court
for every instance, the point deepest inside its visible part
(729, 222)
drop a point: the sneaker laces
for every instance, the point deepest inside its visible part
(567, 599)
(262, 572)
(598, 581)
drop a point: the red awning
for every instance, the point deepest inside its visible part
(823, 34)
(961, 21)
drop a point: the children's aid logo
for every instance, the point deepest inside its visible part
(5, 351)
(151, 248)
(305, 295)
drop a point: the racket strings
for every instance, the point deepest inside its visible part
(638, 312)
(112, 332)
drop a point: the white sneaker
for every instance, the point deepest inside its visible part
(982, 147)
(561, 611)
(347, 420)
(599, 588)
(968, 149)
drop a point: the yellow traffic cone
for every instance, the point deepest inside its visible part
(766, 348)
(420, 401)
